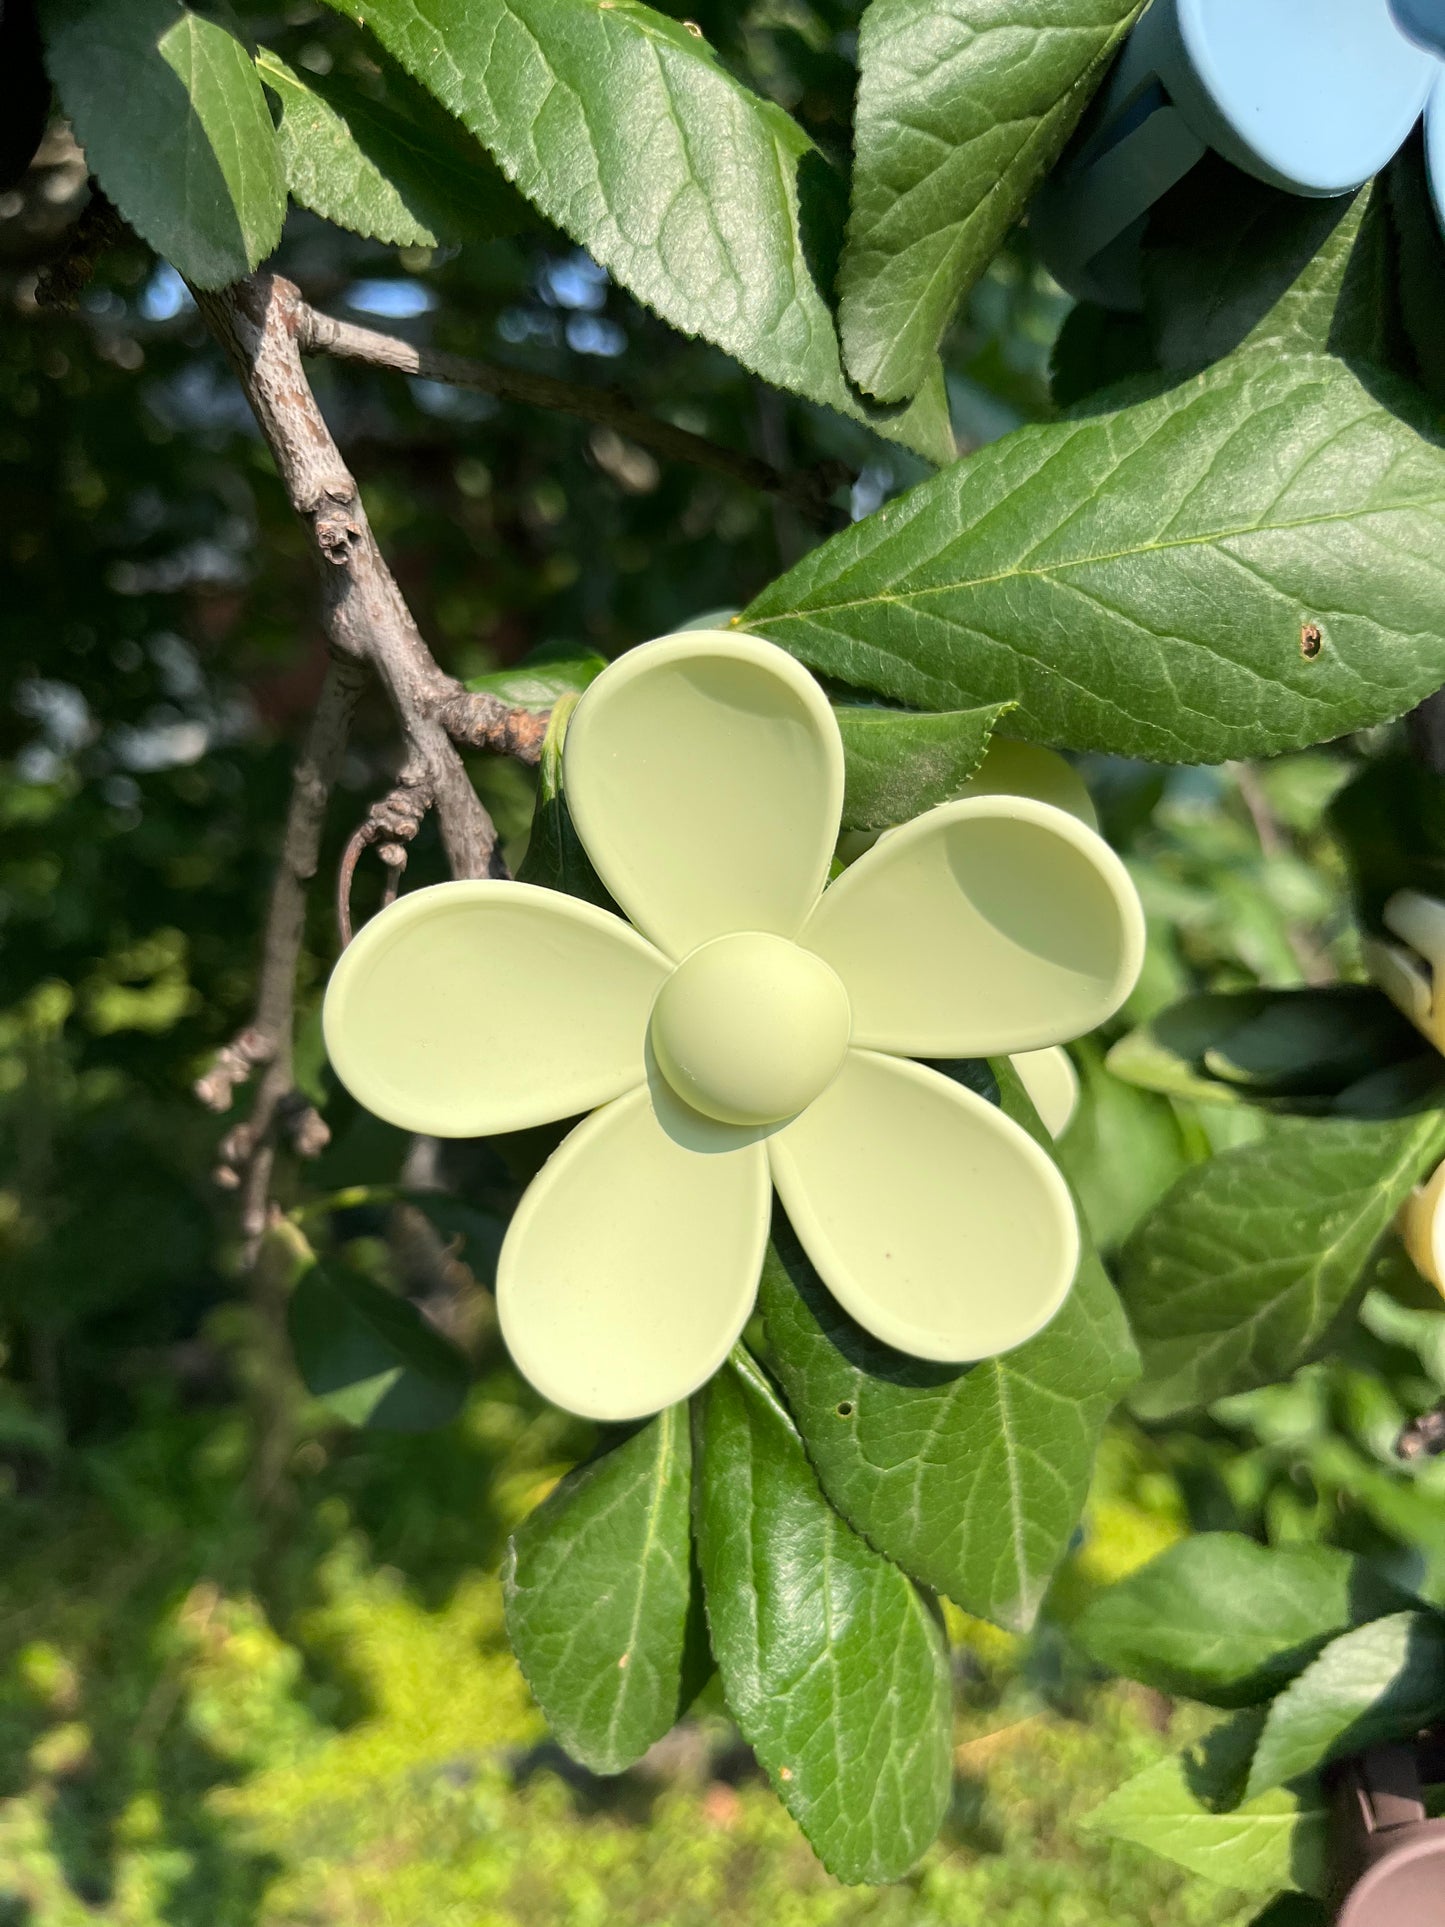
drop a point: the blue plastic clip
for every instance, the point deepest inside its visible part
(1312, 96)
(1423, 20)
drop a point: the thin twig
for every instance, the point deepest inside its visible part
(232, 1066)
(246, 1151)
(1314, 964)
(397, 817)
(364, 614)
(809, 490)
(483, 721)
(369, 628)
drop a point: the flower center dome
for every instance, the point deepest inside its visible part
(749, 1029)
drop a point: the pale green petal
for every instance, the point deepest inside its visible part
(477, 1007)
(933, 1219)
(1052, 1083)
(704, 773)
(1028, 769)
(991, 924)
(631, 1265)
(1421, 1225)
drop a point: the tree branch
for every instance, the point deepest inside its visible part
(368, 628)
(808, 490)
(247, 1152)
(396, 817)
(362, 610)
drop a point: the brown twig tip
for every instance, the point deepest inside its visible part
(232, 1066)
(305, 1127)
(483, 721)
(1423, 1437)
(397, 816)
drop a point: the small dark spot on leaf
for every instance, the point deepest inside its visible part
(845, 1408)
(1311, 640)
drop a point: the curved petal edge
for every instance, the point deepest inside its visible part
(993, 924)
(477, 1007)
(631, 1265)
(935, 1220)
(704, 773)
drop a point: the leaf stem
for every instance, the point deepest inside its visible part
(806, 489)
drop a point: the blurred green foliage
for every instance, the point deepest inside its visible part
(339, 1734)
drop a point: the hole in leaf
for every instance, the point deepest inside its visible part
(1311, 640)
(845, 1408)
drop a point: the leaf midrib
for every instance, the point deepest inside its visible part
(666, 1425)
(958, 232)
(1015, 574)
(1314, 1273)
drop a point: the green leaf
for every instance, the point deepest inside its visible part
(1097, 349)
(370, 1356)
(900, 762)
(1238, 1275)
(175, 127)
(1122, 1151)
(1380, 1682)
(832, 1664)
(551, 670)
(962, 109)
(1136, 580)
(1166, 1054)
(601, 1609)
(974, 1479)
(1303, 1044)
(1234, 263)
(1184, 1809)
(556, 858)
(1221, 1619)
(710, 205)
(398, 169)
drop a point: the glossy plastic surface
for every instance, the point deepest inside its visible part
(933, 1219)
(471, 1008)
(1423, 20)
(1422, 1228)
(1404, 1888)
(1313, 95)
(1412, 972)
(991, 924)
(1028, 769)
(1052, 1083)
(750, 1028)
(704, 773)
(1435, 146)
(631, 1264)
